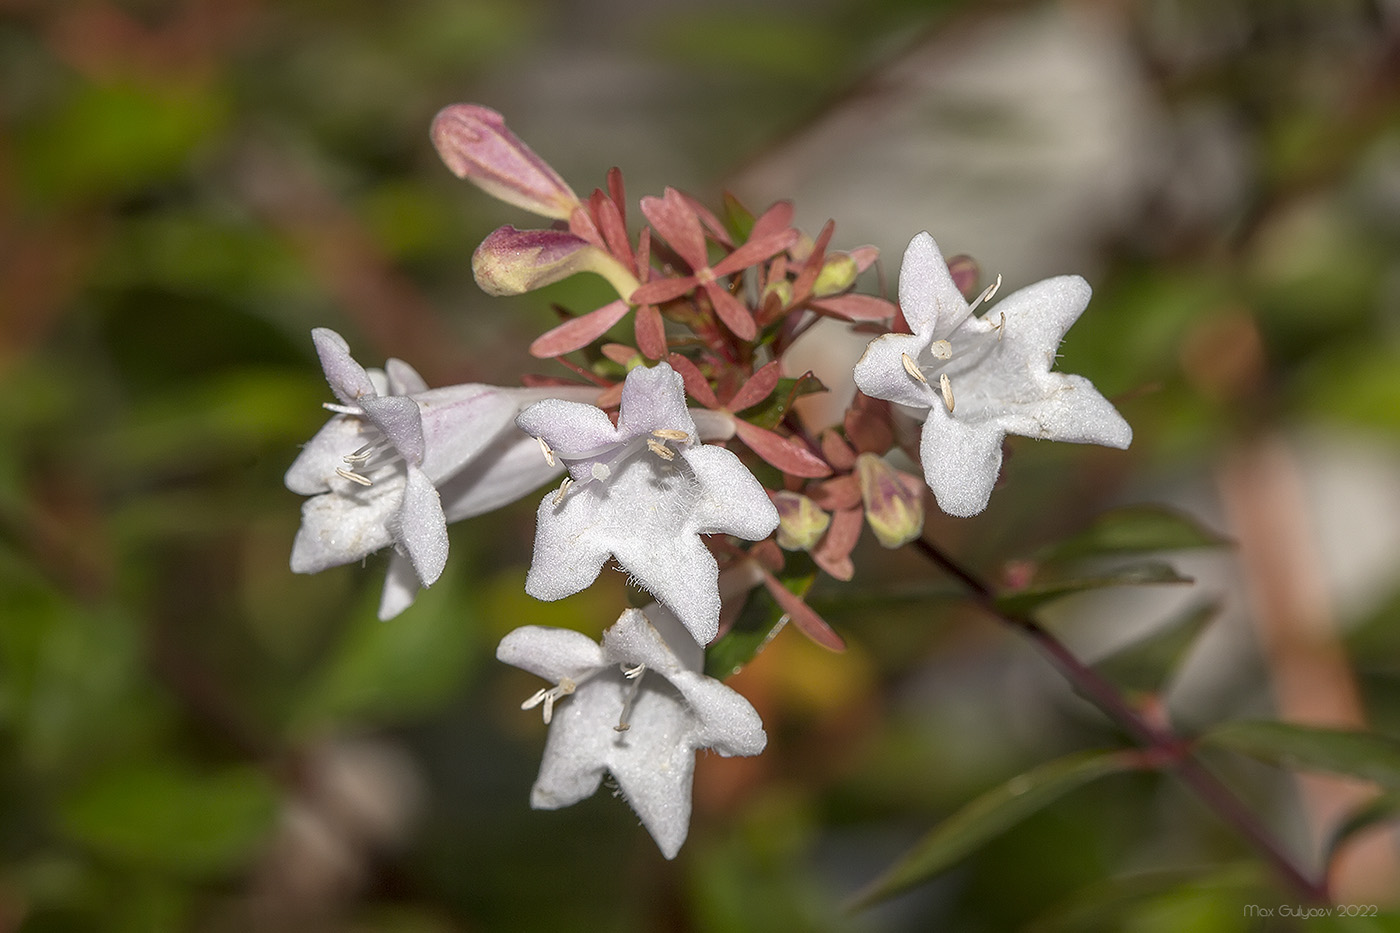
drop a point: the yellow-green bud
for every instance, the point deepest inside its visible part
(801, 523)
(894, 505)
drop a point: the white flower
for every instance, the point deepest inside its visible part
(373, 471)
(643, 492)
(636, 707)
(981, 378)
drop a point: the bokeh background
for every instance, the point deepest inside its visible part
(192, 738)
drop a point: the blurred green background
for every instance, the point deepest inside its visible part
(193, 738)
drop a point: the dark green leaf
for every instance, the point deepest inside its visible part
(161, 814)
(1134, 530)
(1145, 665)
(1366, 755)
(1115, 903)
(990, 815)
(1144, 573)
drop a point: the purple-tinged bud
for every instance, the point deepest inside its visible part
(801, 523)
(894, 505)
(965, 273)
(837, 274)
(511, 261)
(476, 145)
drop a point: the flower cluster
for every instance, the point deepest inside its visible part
(678, 452)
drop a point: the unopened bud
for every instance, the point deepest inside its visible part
(782, 288)
(801, 523)
(838, 273)
(511, 261)
(476, 145)
(965, 273)
(894, 506)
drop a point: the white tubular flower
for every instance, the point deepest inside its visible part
(374, 470)
(980, 378)
(643, 492)
(636, 707)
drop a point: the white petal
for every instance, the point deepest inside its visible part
(402, 379)
(551, 653)
(568, 427)
(398, 419)
(681, 573)
(459, 422)
(729, 499)
(931, 303)
(566, 559)
(338, 529)
(422, 527)
(311, 472)
(507, 470)
(881, 372)
(961, 460)
(653, 398)
(1073, 410)
(348, 379)
(400, 587)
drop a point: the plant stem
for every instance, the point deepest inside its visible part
(1166, 746)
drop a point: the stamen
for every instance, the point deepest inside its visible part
(1001, 328)
(660, 449)
(941, 350)
(670, 434)
(986, 294)
(353, 477)
(945, 386)
(634, 675)
(545, 449)
(912, 368)
(549, 695)
(563, 488)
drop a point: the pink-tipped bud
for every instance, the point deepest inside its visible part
(801, 523)
(511, 261)
(477, 146)
(837, 274)
(965, 273)
(894, 505)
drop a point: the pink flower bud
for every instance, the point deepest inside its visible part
(511, 261)
(476, 145)
(801, 523)
(894, 504)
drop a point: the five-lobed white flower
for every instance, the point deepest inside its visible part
(642, 492)
(981, 378)
(636, 707)
(400, 460)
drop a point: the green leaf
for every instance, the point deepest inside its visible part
(990, 815)
(738, 219)
(1145, 665)
(1143, 573)
(1134, 530)
(759, 621)
(1366, 755)
(775, 408)
(162, 814)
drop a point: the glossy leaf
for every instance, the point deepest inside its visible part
(1373, 813)
(759, 621)
(990, 815)
(1367, 755)
(1146, 665)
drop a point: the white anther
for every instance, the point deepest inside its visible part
(353, 477)
(660, 449)
(912, 368)
(600, 471)
(945, 386)
(670, 434)
(548, 454)
(1001, 327)
(632, 673)
(563, 488)
(941, 350)
(986, 294)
